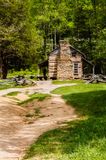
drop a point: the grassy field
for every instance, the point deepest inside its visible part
(67, 81)
(83, 139)
(82, 88)
(12, 85)
(6, 85)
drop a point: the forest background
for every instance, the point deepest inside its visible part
(30, 29)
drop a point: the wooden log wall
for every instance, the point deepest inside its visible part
(53, 66)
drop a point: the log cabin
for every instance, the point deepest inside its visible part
(65, 62)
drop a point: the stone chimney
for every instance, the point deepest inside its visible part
(64, 47)
(64, 44)
(64, 68)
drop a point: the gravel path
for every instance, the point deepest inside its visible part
(41, 87)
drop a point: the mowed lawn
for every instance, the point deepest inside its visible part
(83, 139)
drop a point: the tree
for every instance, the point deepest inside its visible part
(18, 37)
(50, 17)
(88, 33)
(30, 29)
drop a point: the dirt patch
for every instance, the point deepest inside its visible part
(11, 117)
(22, 96)
(53, 108)
(11, 121)
(18, 129)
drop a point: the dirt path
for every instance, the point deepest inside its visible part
(41, 87)
(16, 135)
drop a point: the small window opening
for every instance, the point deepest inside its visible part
(73, 53)
(75, 68)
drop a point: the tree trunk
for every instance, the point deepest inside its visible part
(4, 71)
(0, 68)
(93, 69)
(55, 38)
(3, 68)
(44, 48)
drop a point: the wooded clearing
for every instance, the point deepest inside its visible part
(31, 29)
(53, 77)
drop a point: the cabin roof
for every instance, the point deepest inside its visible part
(57, 50)
(78, 51)
(43, 64)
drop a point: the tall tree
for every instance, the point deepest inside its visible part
(51, 18)
(35, 26)
(18, 37)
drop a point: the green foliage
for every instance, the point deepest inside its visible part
(78, 140)
(82, 22)
(26, 72)
(51, 19)
(30, 29)
(18, 36)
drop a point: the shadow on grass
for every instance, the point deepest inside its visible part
(79, 139)
(76, 139)
(88, 103)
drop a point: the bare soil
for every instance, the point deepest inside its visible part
(20, 126)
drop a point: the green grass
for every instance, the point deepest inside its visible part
(6, 85)
(67, 81)
(80, 140)
(13, 93)
(83, 139)
(11, 74)
(38, 96)
(1, 80)
(12, 85)
(82, 88)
